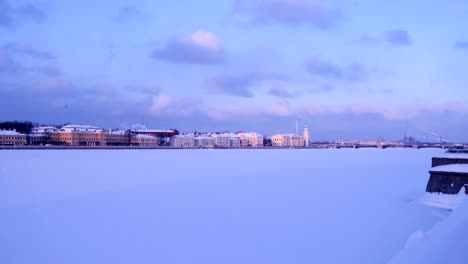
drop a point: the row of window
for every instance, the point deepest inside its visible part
(12, 138)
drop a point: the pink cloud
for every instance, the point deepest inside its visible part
(165, 105)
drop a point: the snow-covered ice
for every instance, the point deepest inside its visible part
(220, 206)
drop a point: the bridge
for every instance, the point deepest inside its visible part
(384, 144)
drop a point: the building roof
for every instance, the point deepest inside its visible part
(38, 135)
(44, 128)
(454, 156)
(284, 135)
(204, 137)
(455, 168)
(249, 134)
(81, 128)
(116, 132)
(10, 133)
(220, 135)
(154, 130)
(145, 136)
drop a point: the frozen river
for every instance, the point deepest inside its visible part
(212, 206)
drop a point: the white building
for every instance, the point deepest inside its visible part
(281, 140)
(296, 141)
(203, 142)
(222, 140)
(183, 141)
(235, 142)
(43, 130)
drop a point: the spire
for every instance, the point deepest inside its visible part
(297, 127)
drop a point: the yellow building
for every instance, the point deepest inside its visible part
(144, 140)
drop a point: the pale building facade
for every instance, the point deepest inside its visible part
(222, 140)
(296, 141)
(235, 142)
(204, 142)
(280, 140)
(287, 140)
(183, 141)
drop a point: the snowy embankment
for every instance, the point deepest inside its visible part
(446, 242)
(216, 206)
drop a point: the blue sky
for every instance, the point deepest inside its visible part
(348, 69)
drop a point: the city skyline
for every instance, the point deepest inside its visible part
(348, 70)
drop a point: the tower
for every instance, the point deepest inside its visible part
(297, 128)
(306, 136)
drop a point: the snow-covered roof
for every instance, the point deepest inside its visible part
(221, 135)
(454, 156)
(10, 133)
(116, 132)
(145, 136)
(456, 168)
(38, 135)
(80, 128)
(249, 134)
(43, 129)
(284, 135)
(154, 130)
(204, 137)
(184, 136)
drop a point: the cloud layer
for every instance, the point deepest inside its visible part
(461, 45)
(199, 47)
(171, 106)
(12, 16)
(394, 37)
(287, 12)
(330, 70)
(239, 85)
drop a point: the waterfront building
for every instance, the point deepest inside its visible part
(287, 140)
(235, 142)
(40, 135)
(281, 140)
(144, 140)
(117, 138)
(38, 139)
(251, 139)
(204, 142)
(159, 133)
(78, 135)
(222, 140)
(183, 141)
(296, 141)
(11, 137)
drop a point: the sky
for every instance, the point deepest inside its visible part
(356, 69)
